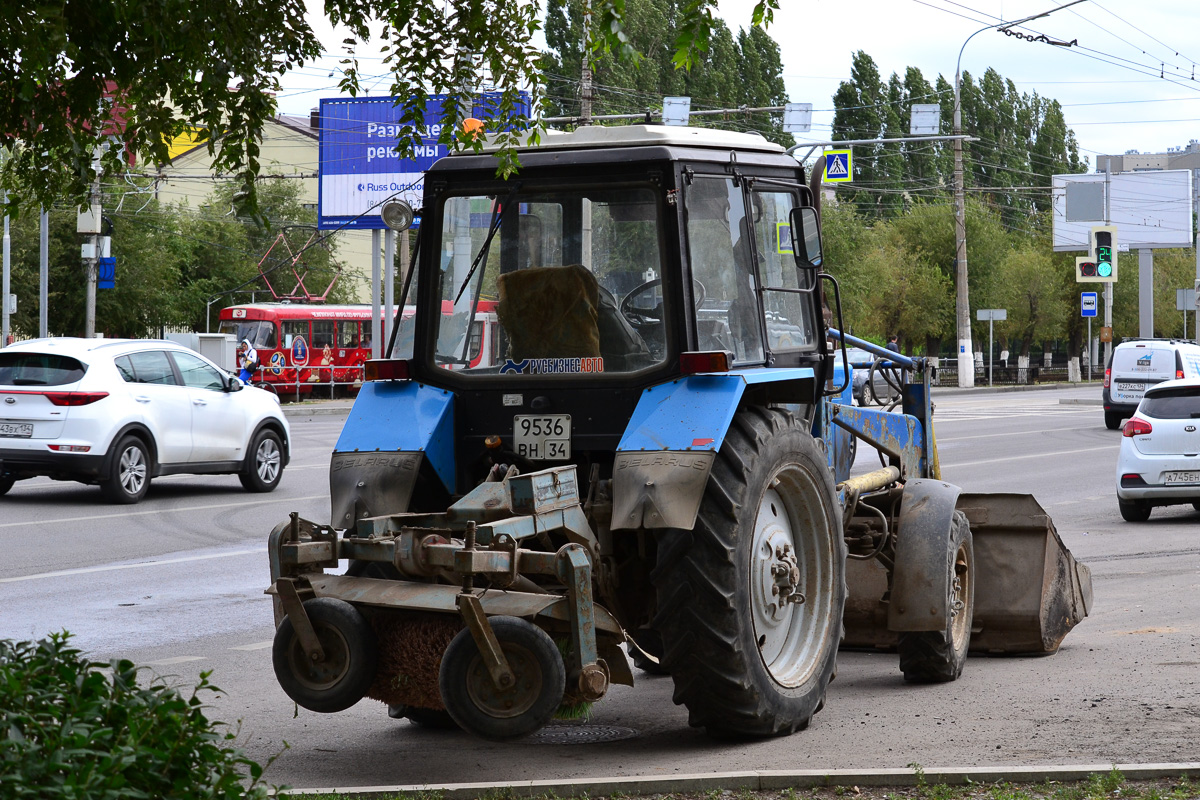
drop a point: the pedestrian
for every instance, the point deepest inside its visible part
(247, 360)
(891, 344)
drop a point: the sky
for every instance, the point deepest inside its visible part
(1129, 84)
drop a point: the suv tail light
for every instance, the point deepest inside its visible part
(386, 369)
(1107, 376)
(1136, 427)
(74, 398)
(714, 361)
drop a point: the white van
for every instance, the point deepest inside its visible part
(1139, 363)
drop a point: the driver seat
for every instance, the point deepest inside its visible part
(550, 312)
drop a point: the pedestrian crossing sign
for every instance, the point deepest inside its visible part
(839, 166)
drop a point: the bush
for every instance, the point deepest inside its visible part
(73, 728)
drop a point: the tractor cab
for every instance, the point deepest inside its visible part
(618, 259)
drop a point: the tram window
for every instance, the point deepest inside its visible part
(348, 333)
(322, 333)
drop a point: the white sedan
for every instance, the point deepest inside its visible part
(1159, 463)
(118, 413)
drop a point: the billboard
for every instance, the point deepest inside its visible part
(1152, 209)
(359, 166)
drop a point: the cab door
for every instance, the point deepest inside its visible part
(218, 418)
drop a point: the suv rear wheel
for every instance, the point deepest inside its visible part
(129, 474)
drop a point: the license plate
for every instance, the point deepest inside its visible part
(1191, 476)
(19, 430)
(1130, 387)
(543, 437)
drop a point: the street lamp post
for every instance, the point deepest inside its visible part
(966, 354)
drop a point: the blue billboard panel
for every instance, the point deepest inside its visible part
(359, 166)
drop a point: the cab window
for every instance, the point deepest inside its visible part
(787, 298)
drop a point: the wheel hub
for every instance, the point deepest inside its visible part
(513, 699)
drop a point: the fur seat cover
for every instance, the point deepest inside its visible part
(550, 312)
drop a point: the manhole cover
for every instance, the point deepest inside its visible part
(580, 734)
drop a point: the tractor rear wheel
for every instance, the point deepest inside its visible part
(750, 601)
(939, 656)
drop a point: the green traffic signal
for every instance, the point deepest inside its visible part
(1104, 267)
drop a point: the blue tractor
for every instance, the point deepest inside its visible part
(625, 432)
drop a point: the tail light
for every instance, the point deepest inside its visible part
(1178, 373)
(74, 398)
(386, 369)
(1107, 376)
(1136, 427)
(714, 361)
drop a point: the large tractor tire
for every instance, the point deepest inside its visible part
(745, 661)
(939, 656)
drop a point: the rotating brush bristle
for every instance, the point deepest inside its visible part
(411, 644)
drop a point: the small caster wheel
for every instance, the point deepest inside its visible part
(502, 714)
(343, 677)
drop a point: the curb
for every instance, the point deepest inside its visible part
(950, 391)
(316, 410)
(768, 780)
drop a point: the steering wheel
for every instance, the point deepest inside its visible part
(655, 313)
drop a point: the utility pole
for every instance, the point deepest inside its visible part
(585, 78)
(89, 223)
(966, 358)
(6, 288)
(1108, 289)
(44, 275)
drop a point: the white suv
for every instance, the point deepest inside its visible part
(120, 412)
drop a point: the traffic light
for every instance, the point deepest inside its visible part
(1100, 265)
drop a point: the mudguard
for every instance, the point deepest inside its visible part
(393, 427)
(920, 599)
(667, 451)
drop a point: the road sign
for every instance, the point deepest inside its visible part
(1106, 334)
(106, 273)
(1185, 299)
(839, 166)
(1088, 303)
(994, 314)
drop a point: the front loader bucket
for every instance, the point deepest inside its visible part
(1029, 590)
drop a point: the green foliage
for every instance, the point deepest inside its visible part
(727, 71)
(72, 728)
(1022, 141)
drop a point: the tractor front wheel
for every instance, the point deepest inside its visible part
(939, 656)
(750, 600)
(342, 677)
(503, 713)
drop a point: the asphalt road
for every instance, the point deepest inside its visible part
(176, 583)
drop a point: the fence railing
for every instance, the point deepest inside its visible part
(313, 382)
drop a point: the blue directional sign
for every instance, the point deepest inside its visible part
(106, 272)
(1088, 303)
(359, 166)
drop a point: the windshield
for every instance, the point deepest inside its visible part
(260, 333)
(560, 282)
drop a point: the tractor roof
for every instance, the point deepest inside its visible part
(598, 136)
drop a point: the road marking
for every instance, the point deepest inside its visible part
(254, 502)
(944, 439)
(255, 646)
(1029, 455)
(167, 662)
(113, 567)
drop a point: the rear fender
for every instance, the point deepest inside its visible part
(920, 599)
(392, 429)
(665, 456)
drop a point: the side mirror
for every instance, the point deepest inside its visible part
(806, 236)
(234, 384)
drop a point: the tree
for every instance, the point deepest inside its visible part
(74, 74)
